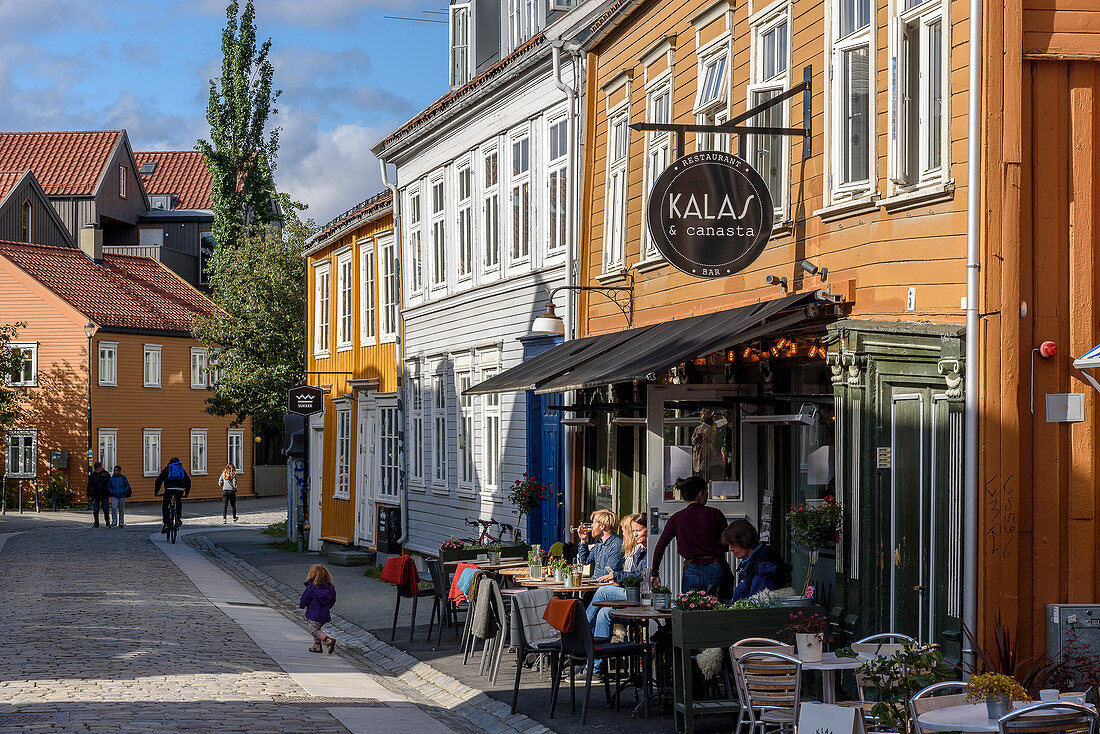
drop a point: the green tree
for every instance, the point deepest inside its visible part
(256, 337)
(10, 398)
(241, 152)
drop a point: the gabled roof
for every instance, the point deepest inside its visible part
(124, 292)
(10, 181)
(65, 163)
(182, 173)
(363, 211)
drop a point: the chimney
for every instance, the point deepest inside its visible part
(91, 241)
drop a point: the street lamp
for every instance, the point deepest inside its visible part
(550, 323)
(89, 331)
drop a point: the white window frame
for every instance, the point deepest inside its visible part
(465, 229)
(391, 289)
(200, 368)
(658, 150)
(440, 446)
(461, 46)
(557, 184)
(151, 354)
(342, 465)
(520, 188)
(414, 243)
(150, 463)
(322, 308)
(107, 364)
(437, 190)
(490, 208)
(762, 82)
(416, 431)
(200, 461)
(22, 348)
(467, 471)
(16, 468)
(368, 303)
(839, 189)
(26, 221)
(234, 448)
(712, 96)
(122, 176)
(390, 456)
(907, 174)
(345, 301)
(107, 447)
(491, 441)
(614, 238)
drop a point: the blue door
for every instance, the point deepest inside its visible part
(544, 450)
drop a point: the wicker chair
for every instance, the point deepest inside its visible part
(770, 684)
(738, 650)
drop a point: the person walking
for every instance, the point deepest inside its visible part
(698, 531)
(228, 482)
(317, 599)
(177, 485)
(119, 488)
(99, 494)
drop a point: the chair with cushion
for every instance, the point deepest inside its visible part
(408, 587)
(935, 696)
(770, 684)
(737, 651)
(530, 633)
(1051, 717)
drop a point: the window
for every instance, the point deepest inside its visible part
(920, 84)
(416, 255)
(390, 458)
(391, 290)
(557, 194)
(439, 431)
(367, 310)
(466, 434)
(321, 285)
(24, 372)
(490, 430)
(151, 236)
(108, 448)
(206, 251)
(198, 450)
(615, 214)
(710, 99)
(122, 182)
(439, 243)
(150, 439)
(851, 56)
(235, 448)
(108, 364)
(465, 222)
(214, 368)
(460, 45)
(151, 362)
(26, 222)
(343, 454)
(521, 199)
(21, 460)
(200, 373)
(490, 211)
(416, 430)
(769, 153)
(160, 201)
(522, 19)
(344, 284)
(658, 147)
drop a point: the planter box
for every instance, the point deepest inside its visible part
(511, 550)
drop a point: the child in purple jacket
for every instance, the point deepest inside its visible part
(317, 600)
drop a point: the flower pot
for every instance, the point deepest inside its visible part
(494, 558)
(662, 602)
(998, 706)
(633, 594)
(559, 576)
(809, 646)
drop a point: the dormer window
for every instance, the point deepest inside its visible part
(460, 45)
(122, 182)
(148, 167)
(160, 201)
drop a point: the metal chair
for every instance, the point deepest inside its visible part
(407, 592)
(468, 641)
(737, 651)
(443, 606)
(881, 645)
(534, 600)
(1051, 717)
(935, 697)
(770, 685)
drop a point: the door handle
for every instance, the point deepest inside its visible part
(918, 587)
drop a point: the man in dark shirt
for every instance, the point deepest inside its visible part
(99, 495)
(698, 532)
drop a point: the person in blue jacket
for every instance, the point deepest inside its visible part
(759, 566)
(119, 487)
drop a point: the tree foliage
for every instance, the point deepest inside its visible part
(241, 152)
(10, 398)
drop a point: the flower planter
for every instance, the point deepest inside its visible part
(494, 558)
(998, 706)
(662, 602)
(810, 647)
(633, 594)
(511, 550)
(559, 576)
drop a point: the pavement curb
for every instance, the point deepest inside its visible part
(473, 704)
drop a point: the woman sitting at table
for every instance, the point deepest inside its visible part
(635, 537)
(760, 567)
(608, 549)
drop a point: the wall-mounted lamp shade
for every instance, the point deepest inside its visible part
(549, 323)
(89, 329)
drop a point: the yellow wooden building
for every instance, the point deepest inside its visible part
(353, 324)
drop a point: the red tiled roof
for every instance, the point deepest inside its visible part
(182, 173)
(364, 208)
(124, 292)
(65, 164)
(8, 179)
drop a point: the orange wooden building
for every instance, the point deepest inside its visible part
(353, 297)
(142, 392)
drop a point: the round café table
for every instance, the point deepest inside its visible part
(638, 618)
(969, 717)
(828, 665)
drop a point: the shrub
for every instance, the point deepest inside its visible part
(278, 529)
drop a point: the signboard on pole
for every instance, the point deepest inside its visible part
(305, 400)
(710, 214)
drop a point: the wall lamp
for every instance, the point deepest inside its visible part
(777, 280)
(810, 269)
(551, 324)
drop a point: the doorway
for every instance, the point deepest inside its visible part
(366, 434)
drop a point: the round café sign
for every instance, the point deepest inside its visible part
(710, 214)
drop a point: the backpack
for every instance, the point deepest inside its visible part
(175, 471)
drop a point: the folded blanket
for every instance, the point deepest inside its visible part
(484, 624)
(527, 609)
(401, 570)
(459, 590)
(561, 614)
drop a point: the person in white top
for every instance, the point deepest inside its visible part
(228, 482)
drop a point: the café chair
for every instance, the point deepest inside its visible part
(770, 685)
(408, 591)
(530, 633)
(737, 651)
(443, 606)
(933, 697)
(1050, 717)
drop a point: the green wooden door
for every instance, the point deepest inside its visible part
(909, 503)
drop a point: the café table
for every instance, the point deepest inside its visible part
(828, 665)
(967, 717)
(638, 618)
(486, 566)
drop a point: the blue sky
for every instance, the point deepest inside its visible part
(348, 77)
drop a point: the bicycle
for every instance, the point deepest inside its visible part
(174, 520)
(487, 537)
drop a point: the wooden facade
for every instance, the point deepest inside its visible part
(46, 226)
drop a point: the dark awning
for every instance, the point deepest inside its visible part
(638, 353)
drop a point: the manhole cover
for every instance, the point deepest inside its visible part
(329, 701)
(75, 594)
(13, 719)
(244, 604)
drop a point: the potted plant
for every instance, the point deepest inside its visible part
(494, 553)
(559, 567)
(998, 690)
(815, 527)
(896, 678)
(662, 598)
(526, 494)
(452, 544)
(695, 601)
(632, 585)
(809, 635)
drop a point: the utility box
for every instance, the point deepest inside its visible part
(1067, 623)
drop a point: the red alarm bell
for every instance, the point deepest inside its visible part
(1048, 349)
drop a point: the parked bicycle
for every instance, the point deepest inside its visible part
(487, 537)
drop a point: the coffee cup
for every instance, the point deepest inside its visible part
(1048, 694)
(1074, 697)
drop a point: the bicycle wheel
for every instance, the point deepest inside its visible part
(172, 534)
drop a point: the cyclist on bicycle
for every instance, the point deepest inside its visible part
(177, 485)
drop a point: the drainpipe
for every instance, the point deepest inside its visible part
(973, 212)
(400, 357)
